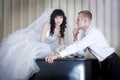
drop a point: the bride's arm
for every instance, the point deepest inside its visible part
(43, 33)
(61, 41)
(61, 44)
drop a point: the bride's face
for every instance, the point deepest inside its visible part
(58, 20)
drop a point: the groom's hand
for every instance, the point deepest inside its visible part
(75, 33)
(51, 58)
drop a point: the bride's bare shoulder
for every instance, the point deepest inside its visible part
(47, 24)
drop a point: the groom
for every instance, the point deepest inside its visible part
(94, 41)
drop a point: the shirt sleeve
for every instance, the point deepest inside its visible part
(86, 41)
(79, 52)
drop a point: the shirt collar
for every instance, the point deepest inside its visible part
(89, 28)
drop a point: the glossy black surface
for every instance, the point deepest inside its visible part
(68, 69)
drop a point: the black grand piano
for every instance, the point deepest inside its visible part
(68, 69)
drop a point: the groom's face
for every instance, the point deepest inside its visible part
(80, 21)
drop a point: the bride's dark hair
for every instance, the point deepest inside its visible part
(57, 12)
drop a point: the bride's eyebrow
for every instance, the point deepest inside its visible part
(59, 16)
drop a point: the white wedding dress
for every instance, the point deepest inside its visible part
(18, 60)
(20, 49)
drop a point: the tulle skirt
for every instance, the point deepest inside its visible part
(17, 56)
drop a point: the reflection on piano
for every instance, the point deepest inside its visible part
(68, 69)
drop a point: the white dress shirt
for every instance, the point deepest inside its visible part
(94, 41)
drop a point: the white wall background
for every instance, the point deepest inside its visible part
(17, 14)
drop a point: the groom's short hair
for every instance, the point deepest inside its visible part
(86, 13)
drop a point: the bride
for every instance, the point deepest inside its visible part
(20, 49)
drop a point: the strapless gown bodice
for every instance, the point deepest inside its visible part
(53, 41)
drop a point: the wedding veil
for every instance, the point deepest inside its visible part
(37, 25)
(32, 32)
